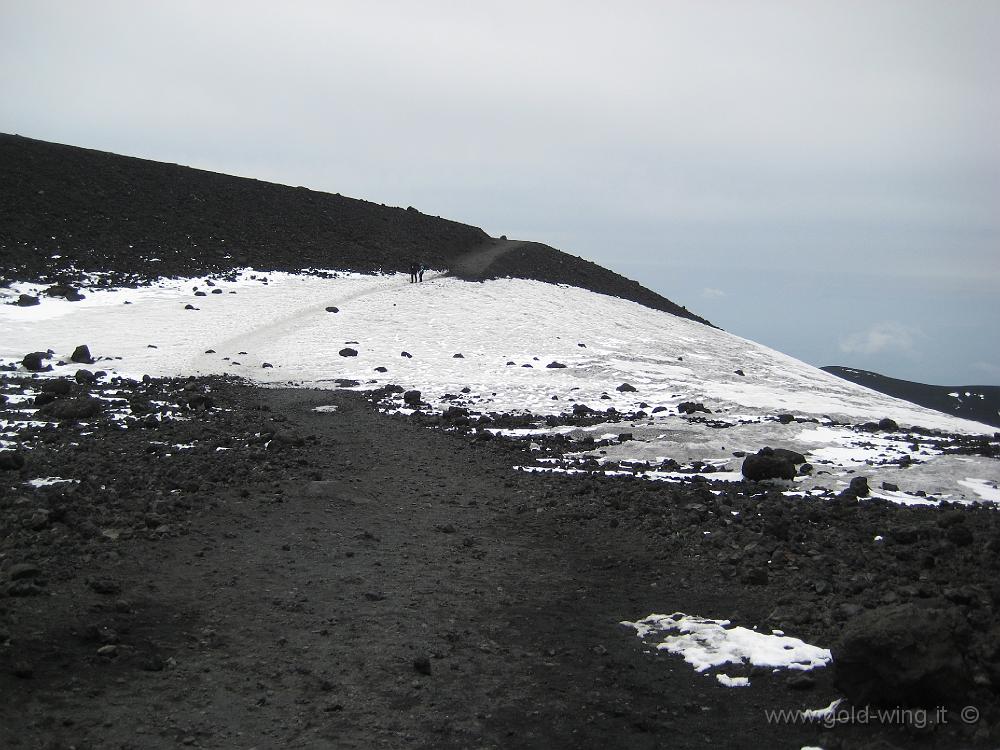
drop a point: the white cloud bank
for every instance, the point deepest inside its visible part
(885, 336)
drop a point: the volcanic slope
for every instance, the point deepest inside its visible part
(980, 403)
(66, 210)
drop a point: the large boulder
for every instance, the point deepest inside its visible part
(766, 465)
(690, 407)
(57, 387)
(81, 355)
(411, 398)
(85, 407)
(35, 362)
(904, 655)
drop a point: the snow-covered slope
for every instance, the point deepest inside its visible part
(507, 332)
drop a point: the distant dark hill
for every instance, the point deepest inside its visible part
(980, 403)
(143, 219)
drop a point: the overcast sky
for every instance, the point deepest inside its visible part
(821, 177)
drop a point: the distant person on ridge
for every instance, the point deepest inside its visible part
(421, 272)
(414, 270)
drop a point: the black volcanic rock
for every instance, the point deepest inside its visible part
(35, 362)
(82, 355)
(766, 464)
(903, 655)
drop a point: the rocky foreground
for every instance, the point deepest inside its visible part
(225, 566)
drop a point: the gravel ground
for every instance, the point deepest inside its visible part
(235, 569)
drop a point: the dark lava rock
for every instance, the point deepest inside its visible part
(85, 377)
(888, 425)
(106, 586)
(266, 365)
(11, 460)
(84, 407)
(582, 410)
(806, 469)
(859, 486)
(456, 414)
(960, 535)
(625, 388)
(786, 418)
(65, 291)
(690, 407)
(766, 465)
(406, 354)
(81, 355)
(333, 309)
(903, 655)
(755, 577)
(44, 398)
(381, 369)
(740, 373)
(412, 398)
(458, 356)
(794, 456)
(890, 487)
(190, 307)
(35, 362)
(556, 366)
(57, 387)
(23, 570)
(658, 409)
(422, 665)
(27, 300)
(348, 352)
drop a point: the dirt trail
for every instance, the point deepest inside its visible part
(474, 263)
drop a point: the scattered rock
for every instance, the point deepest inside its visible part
(556, 366)
(82, 407)
(903, 655)
(458, 356)
(332, 309)
(35, 362)
(888, 425)
(27, 300)
(625, 388)
(348, 352)
(690, 407)
(412, 398)
(859, 486)
(766, 465)
(407, 355)
(57, 387)
(422, 665)
(105, 586)
(19, 571)
(11, 460)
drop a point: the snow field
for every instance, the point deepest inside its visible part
(506, 332)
